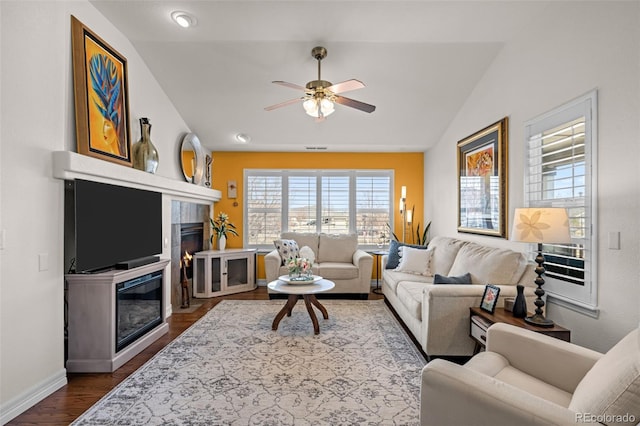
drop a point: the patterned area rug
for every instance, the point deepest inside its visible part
(230, 368)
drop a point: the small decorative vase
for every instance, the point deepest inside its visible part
(222, 242)
(145, 155)
(520, 304)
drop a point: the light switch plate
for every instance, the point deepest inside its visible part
(614, 240)
(43, 262)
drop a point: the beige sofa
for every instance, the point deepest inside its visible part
(438, 315)
(526, 378)
(337, 258)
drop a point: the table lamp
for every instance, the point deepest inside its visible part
(541, 225)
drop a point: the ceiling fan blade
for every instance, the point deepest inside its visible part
(346, 86)
(291, 85)
(282, 104)
(355, 104)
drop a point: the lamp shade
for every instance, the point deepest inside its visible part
(541, 225)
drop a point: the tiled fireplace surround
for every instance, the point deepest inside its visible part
(185, 213)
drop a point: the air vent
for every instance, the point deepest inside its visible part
(315, 148)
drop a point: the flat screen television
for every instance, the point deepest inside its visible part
(111, 224)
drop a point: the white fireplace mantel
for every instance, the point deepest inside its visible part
(70, 165)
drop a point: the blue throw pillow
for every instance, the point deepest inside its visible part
(462, 279)
(393, 260)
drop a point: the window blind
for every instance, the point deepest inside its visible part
(561, 165)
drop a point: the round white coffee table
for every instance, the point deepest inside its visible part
(308, 293)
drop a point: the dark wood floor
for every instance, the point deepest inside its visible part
(84, 390)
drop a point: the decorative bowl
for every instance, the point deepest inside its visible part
(300, 280)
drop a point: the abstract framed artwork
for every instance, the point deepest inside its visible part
(101, 97)
(482, 181)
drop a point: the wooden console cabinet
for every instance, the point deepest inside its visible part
(92, 314)
(220, 272)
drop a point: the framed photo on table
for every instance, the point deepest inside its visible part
(101, 97)
(490, 298)
(482, 181)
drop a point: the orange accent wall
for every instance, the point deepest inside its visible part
(408, 170)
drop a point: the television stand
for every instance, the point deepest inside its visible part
(93, 319)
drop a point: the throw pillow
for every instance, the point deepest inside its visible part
(307, 252)
(287, 249)
(462, 279)
(414, 261)
(394, 253)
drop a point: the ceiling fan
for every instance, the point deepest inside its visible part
(320, 95)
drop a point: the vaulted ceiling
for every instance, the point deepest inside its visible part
(419, 60)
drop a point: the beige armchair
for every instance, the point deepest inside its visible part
(526, 378)
(337, 258)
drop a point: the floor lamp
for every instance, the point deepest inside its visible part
(403, 211)
(541, 226)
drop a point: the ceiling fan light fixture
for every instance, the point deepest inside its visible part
(183, 19)
(313, 107)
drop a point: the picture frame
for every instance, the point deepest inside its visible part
(482, 181)
(490, 298)
(101, 96)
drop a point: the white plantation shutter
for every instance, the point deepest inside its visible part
(560, 173)
(373, 197)
(263, 209)
(303, 202)
(329, 201)
(335, 204)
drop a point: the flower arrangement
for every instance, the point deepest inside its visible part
(300, 267)
(221, 226)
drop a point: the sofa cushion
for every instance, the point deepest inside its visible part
(395, 253)
(393, 278)
(337, 248)
(415, 261)
(489, 265)
(337, 270)
(303, 239)
(612, 386)
(410, 295)
(445, 250)
(461, 279)
(287, 249)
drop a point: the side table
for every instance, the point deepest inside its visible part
(480, 320)
(377, 254)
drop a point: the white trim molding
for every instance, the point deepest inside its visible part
(36, 393)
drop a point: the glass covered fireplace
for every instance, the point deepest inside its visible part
(138, 307)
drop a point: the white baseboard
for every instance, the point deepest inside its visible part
(21, 403)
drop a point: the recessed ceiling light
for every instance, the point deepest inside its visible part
(243, 138)
(184, 19)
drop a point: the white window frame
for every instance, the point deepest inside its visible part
(583, 298)
(284, 174)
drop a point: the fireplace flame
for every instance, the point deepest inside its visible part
(186, 259)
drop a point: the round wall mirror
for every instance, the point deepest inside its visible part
(192, 158)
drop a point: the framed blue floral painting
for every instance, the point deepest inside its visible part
(101, 97)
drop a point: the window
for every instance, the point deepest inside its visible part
(329, 201)
(560, 172)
